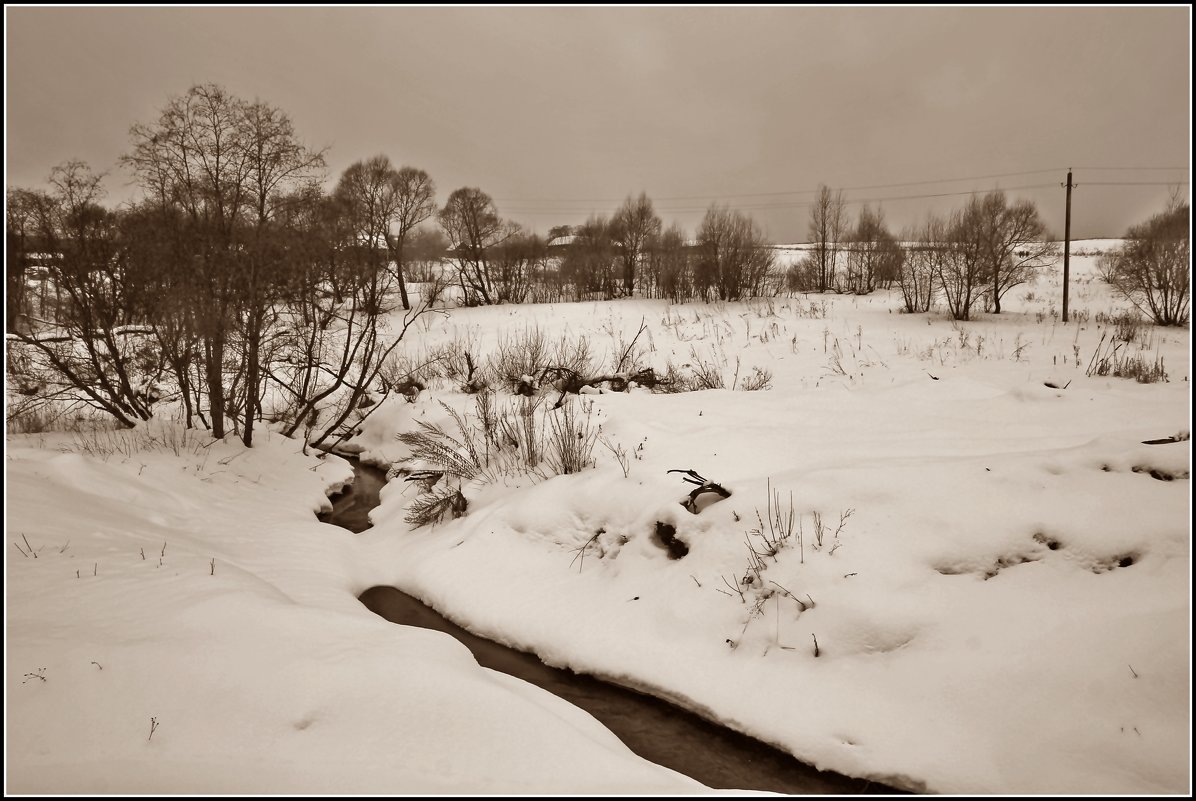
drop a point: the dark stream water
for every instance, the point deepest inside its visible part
(656, 730)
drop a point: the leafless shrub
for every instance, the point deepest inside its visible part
(493, 442)
(572, 437)
(1114, 359)
(1129, 325)
(460, 361)
(1152, 269)
(520, 357)
(760, 378)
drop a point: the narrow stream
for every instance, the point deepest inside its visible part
(654, 729)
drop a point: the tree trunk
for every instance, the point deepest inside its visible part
(996, 290)
(215, 370)
(398, 254)
(252, 380)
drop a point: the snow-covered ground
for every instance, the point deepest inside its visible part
(239, 635)
(1006, 608)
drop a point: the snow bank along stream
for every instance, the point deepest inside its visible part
(654, 729)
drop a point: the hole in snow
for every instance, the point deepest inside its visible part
(1124, 560)
(1050, 542)
(666, 537)
(1159, 473)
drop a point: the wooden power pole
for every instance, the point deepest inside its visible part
(1067, 245)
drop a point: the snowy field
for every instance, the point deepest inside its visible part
(948, 562)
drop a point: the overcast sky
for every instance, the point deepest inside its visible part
(561, 112)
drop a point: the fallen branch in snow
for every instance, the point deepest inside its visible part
(702, 486)
(570, 382)
(734, 588)
(30, 547)
(581, 551)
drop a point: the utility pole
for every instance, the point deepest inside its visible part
(1067, 244)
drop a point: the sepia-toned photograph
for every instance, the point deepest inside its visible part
(562, 401)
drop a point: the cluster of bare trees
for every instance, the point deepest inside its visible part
(1153, 268)
(975, 255)
(971, 257)
(729, 258)
(235, 278)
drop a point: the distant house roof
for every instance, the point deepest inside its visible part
(562, 241)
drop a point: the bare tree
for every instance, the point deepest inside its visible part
(155, 236)
(90, 351)
(828, 223)
(196, 157)
(416, 202)
(963, 266)
(1015, 243)
(669, 268)
(224, 164)
(632, 226)
(337, 341)
(367, 192)
(278, 165)
(515, 263)
(923, 263)
(21, 243)
(589, 263)
(873, 255)
(733, 258)
(471, 221)
(1152, 268)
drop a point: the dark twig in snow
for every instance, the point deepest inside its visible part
(581, 551)
(153, 728)
(787, 592)
(1131, 667)
(815, 645)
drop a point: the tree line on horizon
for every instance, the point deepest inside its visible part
(231, 271)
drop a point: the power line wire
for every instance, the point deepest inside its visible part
(1143, 169)
(842, 188)
(792, 204)
(789, 191)
(1133, 183)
